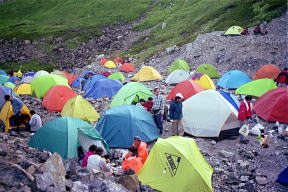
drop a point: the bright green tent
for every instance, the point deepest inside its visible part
(256, 88)
(176, 164)
(131, 92)
(3, 79)
(179, 64)
(43, 84)
(209, 70)
(9, 84)
(117, 76)
(64, 135)
(234, 30)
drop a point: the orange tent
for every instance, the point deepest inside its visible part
(118, 60)
(103, 61)
(70, 77)
(56, 97)
(187, 88)
(267, 71)
(127, 67)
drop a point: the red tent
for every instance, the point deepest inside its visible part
(56, 97)
(70, 77)
(187, 88)
(106, 73)
(267, 71)
(118, 60)
(273, 105)
(103, 61)
(127, 67)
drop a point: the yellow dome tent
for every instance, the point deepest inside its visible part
(205, 82)
(147, 73)
(23, 89)
(110, 64)
(80, 108)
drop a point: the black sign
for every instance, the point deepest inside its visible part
(173, 162)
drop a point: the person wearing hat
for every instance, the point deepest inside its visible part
(175, 114)
(141, 149)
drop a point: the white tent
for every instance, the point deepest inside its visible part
(40, 73)
(27, 79)
(207, 113)
(177, 76)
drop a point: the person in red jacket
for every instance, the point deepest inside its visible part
(244, 114)
(131, 160)
(282, 78)
(149, 104)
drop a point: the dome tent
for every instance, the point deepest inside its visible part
(40, 74)
(231, 98)
(179, 64)
(147, 73)
(234, 30)
(77, 83)
(23, 89)
(110, 64)
(64, 135)
(177, 76)
(205, 82)
(267, 71)
(233, 79)
(209, 70)
(120, 124)
(91, 81)
(127, 67)
(117, 76)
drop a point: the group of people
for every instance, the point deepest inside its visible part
(258, 30)
(132, 162)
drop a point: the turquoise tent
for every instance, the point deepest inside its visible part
(64, 135)
(233, 79)
(120, 124)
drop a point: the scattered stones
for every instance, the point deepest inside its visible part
(261, 180)
(226, 154)
(130, 182)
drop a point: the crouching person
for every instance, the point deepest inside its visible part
(131, 160)
(97, 161)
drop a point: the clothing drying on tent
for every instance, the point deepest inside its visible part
(209, 70)
(64, 135)
(23, 89)
(272, 106)
(119, 125)
(117, 76)
(40, 74)
(80, 108)
(179, 64)
(103, 88)
(177, 76)
(187, 88)
(56, 97)
(231, 98)
(6, 114)
(267, 72)
(3, 79)
(257, 87)
(3, 73)
(106, 73)
(27, 79)
(43, 84)
(77, 83)
(176, 164)
(13, 79)
(9, 84)
(283, 177)
(91, 81)
(127, 67)
(131, 92)
(205, 82)
(234, 30)
(103, 61)
(207, 113)
(110, 65)
(147, 73)
(233, 79)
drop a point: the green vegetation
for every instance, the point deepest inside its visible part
(25, 67)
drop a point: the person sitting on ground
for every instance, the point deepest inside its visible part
(141, 103)
(282, 78)
(245, 31)
(175, 113)
(257, 30)
(131, 160)
(244, 114)
(141, 149)
(35, 122)
(98, 162)
(264, 142)
(92, 151)
(149, 104)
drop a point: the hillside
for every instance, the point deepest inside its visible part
(72, 25)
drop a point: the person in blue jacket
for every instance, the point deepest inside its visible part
(175, 114)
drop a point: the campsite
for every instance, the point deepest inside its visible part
(206, 114)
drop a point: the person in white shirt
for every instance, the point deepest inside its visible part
(97, 162)
(35, 121)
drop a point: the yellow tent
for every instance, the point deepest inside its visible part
(110, 64)
(80, 108)
(205, 82)
(7, 112)
(23, 89)
(147, 73)
(19, 74)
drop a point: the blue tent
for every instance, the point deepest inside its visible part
(77, 83)
(103, 87)
(29, 74)
(87, 72)
(233, 79)
(231, 98)
(4, 91)
(91, 80)
(2, 72)
(283, 177)
(13, 79)
(120, 124)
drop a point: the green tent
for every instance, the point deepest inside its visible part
(64, 135)
(117, 76)
(179, 64)
(234, 30)
(131, 92)
(209, 70)
(256, 88)
(3, 79)
(41, 85)
(176, 164)
(9, 84)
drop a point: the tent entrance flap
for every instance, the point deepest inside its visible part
(85, 142)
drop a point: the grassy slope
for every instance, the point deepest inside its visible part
(32, 19)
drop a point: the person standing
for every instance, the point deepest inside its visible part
(175, 113)
(158, 109)
(245, 114)
(35, 122)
